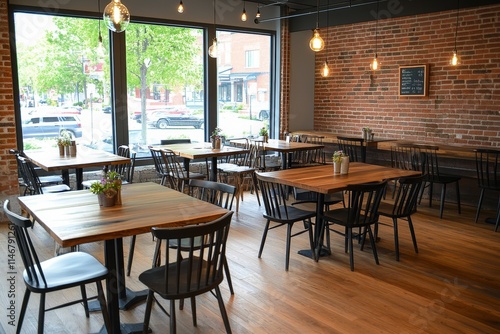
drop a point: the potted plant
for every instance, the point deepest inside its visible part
(216, 138)
(264, 134)
(337, 161)
(108, 189)
(367, 133)
(63, 142)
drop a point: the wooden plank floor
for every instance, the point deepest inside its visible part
(451, 286)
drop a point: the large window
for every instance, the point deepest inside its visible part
(165, 84)
(244, 83)
(63, 73)
(64, 80)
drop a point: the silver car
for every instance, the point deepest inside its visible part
(53, 125)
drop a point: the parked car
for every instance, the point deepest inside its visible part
(52, 125)
(106, 109)
(173, 116)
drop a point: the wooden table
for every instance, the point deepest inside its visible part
(285, 148)
(74, 217)
(202, 151)
(85, 157)
(321, 180)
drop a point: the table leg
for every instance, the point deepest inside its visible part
(113, 290)
(186, 163)
(65, 176)
(318, 232)
(213, 170)
(79, 178)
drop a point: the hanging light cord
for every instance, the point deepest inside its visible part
(317, 14)
(456, 24)
(376, 32)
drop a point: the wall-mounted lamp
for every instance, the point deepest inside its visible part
(180, 8)
(116, 16)
(455, 60)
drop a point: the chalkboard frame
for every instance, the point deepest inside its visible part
(424, 81)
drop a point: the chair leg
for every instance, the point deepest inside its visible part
(147, 312)
(458, 199)
(264, 235)
(193, 311)
(23, 310)
(396, 237)
(256, 187)
(84, 299)
(479, 204)
(288, 241)
(41, 313)
(228, 276)
(130, 254)
(349, 240)
(443, 196)
(222, 310)
(498, 216)
(412, 232)
(104, 308)
(372, 242)
(173, 326)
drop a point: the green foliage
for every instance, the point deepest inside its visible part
(110, 183)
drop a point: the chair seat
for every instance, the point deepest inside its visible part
(294, 214)
(50, 179)
(57, 188)
(154, 278)
(339, 216)
(442, 178)
(70, 269)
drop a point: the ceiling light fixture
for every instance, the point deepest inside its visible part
(375, 64)
(212, 50)
(325, 70)
(257, 16)
(455, 60)
(316, 43)
(244, 13)
(116, 16)
(180, 8)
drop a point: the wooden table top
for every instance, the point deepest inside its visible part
(279, 145)
(75, 217)
(322, 180)
(50, 160)
(201, 150)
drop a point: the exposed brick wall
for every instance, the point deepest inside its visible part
(463, 105)
(8, 165)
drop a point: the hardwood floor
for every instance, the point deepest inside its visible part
(451, 286)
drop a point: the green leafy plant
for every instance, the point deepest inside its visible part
(263, 131)
(64, 140)
(338, 155)
(217, 133)
(109, 184)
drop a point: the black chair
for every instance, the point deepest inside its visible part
(75, 269)
(184, 141)
(404, 205)
(432, 175)
(187, 276)
(355, 148)
(159, 165)
(32, 182)
(176, 175)
(125, 170)
(280, 214)
(405, 156)
(45, 180)
(361, 212)
(488, 177)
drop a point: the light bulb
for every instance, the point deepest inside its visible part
(212, 50)
(455, 60)
(325, 70)
(375, 65)
(258, 13)
(180, 9)
(116, 16)
(316, 43)
(244, 15)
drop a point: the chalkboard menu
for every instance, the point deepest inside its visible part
(413, 80)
